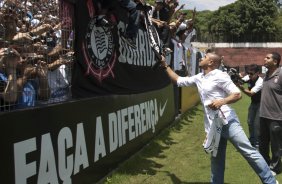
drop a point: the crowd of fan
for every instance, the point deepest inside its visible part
(176, 32)
(36, 54)
(172, 22)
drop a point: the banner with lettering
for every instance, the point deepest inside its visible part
(81, 141)
(106, 63)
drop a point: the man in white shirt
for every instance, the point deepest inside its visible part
(217, 91)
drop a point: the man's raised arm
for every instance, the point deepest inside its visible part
(172, 75)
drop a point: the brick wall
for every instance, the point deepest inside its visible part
(245, 56)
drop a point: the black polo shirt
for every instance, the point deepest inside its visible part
(271, 96)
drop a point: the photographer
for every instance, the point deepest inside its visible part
(254, 91)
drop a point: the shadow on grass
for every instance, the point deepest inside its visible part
(176, 180)
(142, 162)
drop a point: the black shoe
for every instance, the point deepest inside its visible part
(103, 22)
(131, 41)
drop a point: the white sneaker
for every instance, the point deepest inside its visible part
(273, 173)
(277, 182)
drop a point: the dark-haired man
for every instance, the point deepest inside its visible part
(254, 91)
(271, 113)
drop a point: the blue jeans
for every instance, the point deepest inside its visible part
(253, 122)
(236, 135)
(133, 19)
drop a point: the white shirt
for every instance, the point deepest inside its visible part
(187, 42)
(214, 85)
(258, 84)
(178, 55)
(246, 78)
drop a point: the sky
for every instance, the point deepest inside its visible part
(205, 4)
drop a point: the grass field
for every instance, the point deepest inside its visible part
(176, 156)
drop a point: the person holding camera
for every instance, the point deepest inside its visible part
(216, 92)
(254, 92)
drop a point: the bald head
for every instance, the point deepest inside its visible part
(216, 59)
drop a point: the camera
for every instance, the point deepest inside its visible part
(235, 77)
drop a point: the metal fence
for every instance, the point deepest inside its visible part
(36, 53)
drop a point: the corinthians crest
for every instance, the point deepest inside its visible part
(99, 51)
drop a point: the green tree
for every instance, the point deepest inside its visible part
(245, 20)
